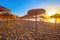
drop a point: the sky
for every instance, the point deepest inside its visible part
(21, 7)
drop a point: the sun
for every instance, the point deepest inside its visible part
(51, 13)
(52, 20)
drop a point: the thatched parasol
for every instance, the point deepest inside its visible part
(7, 16)
(3, 9)
(36, 12)
(55, 16)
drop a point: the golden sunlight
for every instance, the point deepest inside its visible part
(52, 20)
(51, 13)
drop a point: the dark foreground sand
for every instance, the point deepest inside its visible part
(26, 30)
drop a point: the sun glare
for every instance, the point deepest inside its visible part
(52, 20)
(51, 13)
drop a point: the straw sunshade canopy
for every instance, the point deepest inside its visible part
(3, 9)
(36, 12)
(7, 15)
(55, 16)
